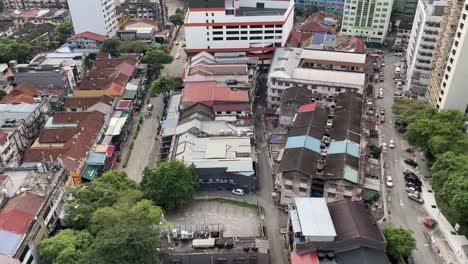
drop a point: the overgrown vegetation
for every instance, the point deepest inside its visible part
(62, 32)
(442, 135)
(400, 242)
(178, 18)
(165, 85)
(12, 50)
(109, 222)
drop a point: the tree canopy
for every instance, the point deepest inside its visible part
(63, 31)
(132, 47)
(450, 180)
(111, 46)
(156, 57)
(178, 18)
(169, 184)
(400, 241)
(166, 84)
(12, 50)
(119, 226)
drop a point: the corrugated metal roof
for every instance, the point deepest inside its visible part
(96, 158)
(341, 147)
(89, 172)
(296, 225)
(314, 217)
(303, 142)
(351, 174)
(10, 242)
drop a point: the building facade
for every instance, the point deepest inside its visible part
(331, 5)
(427, 27)
(368, 19)
(147, 9)
(447, 89)
(253, 28)
(97, 16)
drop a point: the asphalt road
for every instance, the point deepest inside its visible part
(274, 218)
(402, 211)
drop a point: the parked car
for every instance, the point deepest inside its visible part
(391, 144)
(389, 181)
(416, 196)
(177, 56)
(410, 173)
(398, 54)
(239, 192)
(411, 162)
(382, 119)
(402, 130)
(381, 78)
(383, 64)
(413, 185)
(369, 102)
(384, 146)
(149, 107)
(380, 95)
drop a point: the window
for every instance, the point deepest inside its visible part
(243, 38)
(217, 32)
(260, 5)
(449, 68)
(255, 38)
(218, 38)
(446, 76)
(212, 14)
(454, 52)
(269, 37)
(244, 32)
(278, 31)
(456, 43)
(444, 84)
(458, 34)
(232, 38)
(256, 26)
(217, 27)
(461, 25)
(256, 32)
(243, 26)
(451, 60)
(230, 27)
(232, 32)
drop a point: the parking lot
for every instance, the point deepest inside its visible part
(238, 221)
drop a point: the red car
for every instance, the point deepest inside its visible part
(382, 119)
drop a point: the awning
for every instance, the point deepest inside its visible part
(129, 94)
(89, 172)
(96, 159)
(370, 195)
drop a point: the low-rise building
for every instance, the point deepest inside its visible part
(110, 76)
(330, 5)
(36, 16)
(222, 99)
(222, 162)
(402, 28)
(68, 137)
(321, 22)
(29, 4)
(291, 100)
(141, 30)
(27, 93)
(29, 209)
(343, 231)
(88, 104)
(321, 157)
(33, 33)
(316, 70)
(85, 41)
(155, 10)
(20, 125)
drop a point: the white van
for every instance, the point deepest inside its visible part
(149, 107)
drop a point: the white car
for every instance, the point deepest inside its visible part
(384, 146)
(380, 95)
(381, 89)
(391, 144)
(389, 181)
(177, 56)
(239, 192)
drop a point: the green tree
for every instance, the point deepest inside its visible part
(12, 50)
(156, 57)
(409, 111)
(169, 184)
(111, 46)
(166, 84)
(400, 241)
(132, 47)
(103, 192)
(177, 19)
(67, 247)
(63, 32)
(450, 180)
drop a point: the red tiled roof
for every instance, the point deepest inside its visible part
(316, 22)
(88, 35)
(124, 104)
(209, 92)
(77, 102)
(307, 108)
(19, 211)
(307, 258)
(295, 38)
(74, 146)
(23, 93)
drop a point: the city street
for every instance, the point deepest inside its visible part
(274, 218)
(402, 211)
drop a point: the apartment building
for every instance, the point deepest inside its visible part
(29, 4)
(97, 16)
(316, 70)
(406, 7)
(447, 89)
(367, 19)
(330, 5)
(252, 27)
(427, 27)
(147, 10)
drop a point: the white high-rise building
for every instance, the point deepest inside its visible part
(454, 90)
(368, 19)
(245, 27)
(97, 16)
(427, 25)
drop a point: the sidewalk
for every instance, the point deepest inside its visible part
(456, 242)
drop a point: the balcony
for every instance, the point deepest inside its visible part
(303, 185)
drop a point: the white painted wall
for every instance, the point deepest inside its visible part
(97, 16)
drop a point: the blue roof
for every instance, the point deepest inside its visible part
(341, 147)
(351, 174)
(10, 242)
(96, 158)
(320, 38)
(303, 142)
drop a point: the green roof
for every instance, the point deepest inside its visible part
(89, 172)
(370, 195)
(129, 94)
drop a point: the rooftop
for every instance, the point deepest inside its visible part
(35, 14)
(68, 136)
(30, 32)
(87, 102)
(88, 35)
(354, 79)
(209, 93)
(314, 217)
(320, 22)
(337, 56)
(12, 114)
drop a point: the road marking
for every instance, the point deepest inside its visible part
(401, 203)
